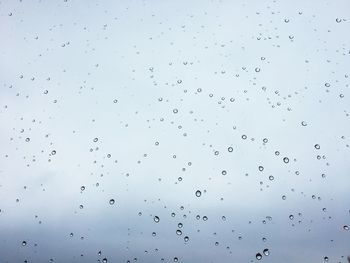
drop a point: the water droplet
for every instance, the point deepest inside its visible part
(180, 225)
(95, 139)
(176, 259)
(261, 168)
(230, 149)
(338, 20)
(258, 256)
(291, 217)
(286, 160)
(178, 232)
(53, 152)
(266, 252)
(104, 260)
(326, 259)
(156, 219)
(317, 146)
(27, 139)
(198, 193)
(24, 243)
(186, 238)
(345, 227)
(82, 188)
(303, 123)
(111, 201)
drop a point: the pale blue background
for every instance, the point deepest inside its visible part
(62, 65)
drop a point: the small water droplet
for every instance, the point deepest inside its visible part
(258, 256)
(286, 160)
(156, 219)
(198, 193)
(111, 201)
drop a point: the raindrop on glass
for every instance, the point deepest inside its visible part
(198, 193)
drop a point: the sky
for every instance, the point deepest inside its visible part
(174, 131)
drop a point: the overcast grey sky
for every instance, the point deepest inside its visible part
(226, 120)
